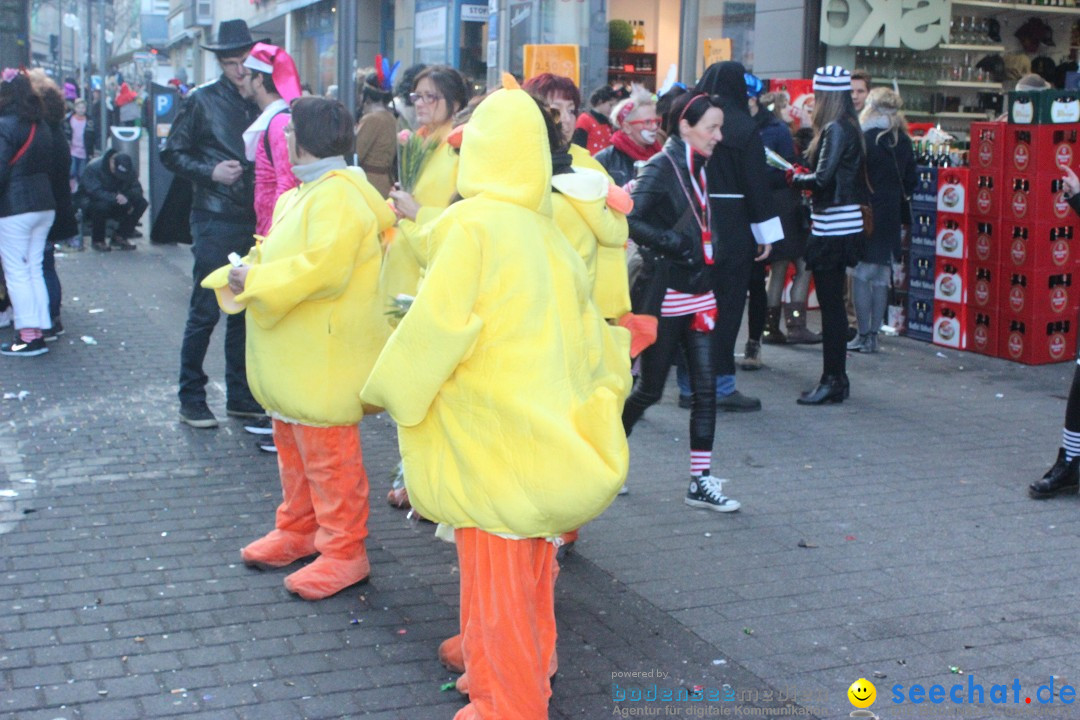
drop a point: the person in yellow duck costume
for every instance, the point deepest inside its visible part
(315, 325)
(507, 385)
(440, 92)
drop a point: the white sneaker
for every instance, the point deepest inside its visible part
(624, 490)
(704, 492)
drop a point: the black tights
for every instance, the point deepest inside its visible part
(759, 302)
(829, 284)
(671, 334)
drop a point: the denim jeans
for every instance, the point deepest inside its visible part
(214, 239)
(52, 281)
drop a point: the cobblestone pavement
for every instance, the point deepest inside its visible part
(888, 538)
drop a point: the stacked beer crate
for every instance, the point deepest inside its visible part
(1006, 254)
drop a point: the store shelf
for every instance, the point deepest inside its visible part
(973, 48)
(1018, 7)
(948, 115)
(968, 84)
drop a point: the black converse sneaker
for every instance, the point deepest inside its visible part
(704, 492)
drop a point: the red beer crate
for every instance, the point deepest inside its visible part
(987, 146)
(1036, 293)
(952, 190)
(949, 239)
(982, 286)
(1041, 245)
(949, 285)
(983, 331)
(950, 325)
(1031, 149)
(1037, 341)
(1035, 197)
(984, 193)
(984, 240)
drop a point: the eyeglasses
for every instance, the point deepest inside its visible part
(648, 122)
(426, 98)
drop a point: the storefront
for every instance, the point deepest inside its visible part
(453, 32)
(952, 60)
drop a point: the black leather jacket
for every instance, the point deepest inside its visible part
(209, 129)
(839, 177)
(25, 186)
(618, 164)
(663, 225)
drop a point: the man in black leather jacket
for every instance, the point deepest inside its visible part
(745, 223)
(206, 147)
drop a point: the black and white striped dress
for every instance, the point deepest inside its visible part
(837, 221)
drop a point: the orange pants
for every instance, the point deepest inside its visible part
(325, 503)
(508, 625)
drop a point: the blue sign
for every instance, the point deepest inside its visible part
(164, 104)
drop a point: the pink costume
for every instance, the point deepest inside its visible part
(273, 172)
(273, 175)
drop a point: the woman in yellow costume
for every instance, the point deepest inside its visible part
(504, 342)
(315, 325)
(440, 92)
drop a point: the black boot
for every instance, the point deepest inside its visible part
(831, 389)
(772, 334)
(1062, 478)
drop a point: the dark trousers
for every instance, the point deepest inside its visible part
(732, 282)
(214, 240)
(1072, 408)
(52, 281)
(830, 283)
(672, 335)
(127, 215)
(758, 303)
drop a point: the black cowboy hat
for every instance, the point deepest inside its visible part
(233, 35)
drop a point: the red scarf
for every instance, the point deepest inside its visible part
(624, 144)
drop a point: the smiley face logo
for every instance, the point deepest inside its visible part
(862, 693)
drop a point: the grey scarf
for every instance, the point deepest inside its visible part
(315, 170)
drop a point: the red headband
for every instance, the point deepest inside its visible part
(624, 112)
(692, 101)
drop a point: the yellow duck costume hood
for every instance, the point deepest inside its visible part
(506, 383)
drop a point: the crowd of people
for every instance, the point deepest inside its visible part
(514, 299)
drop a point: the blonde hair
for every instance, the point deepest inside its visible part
(640, 97)
(885, 103)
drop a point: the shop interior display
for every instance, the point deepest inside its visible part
(627, 60)
(990, 45)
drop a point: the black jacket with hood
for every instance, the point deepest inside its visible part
(209, 129)
(742, 201)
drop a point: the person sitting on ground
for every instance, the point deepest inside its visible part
(635, 140)
(111, 191)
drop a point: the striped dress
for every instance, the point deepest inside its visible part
(837, 221)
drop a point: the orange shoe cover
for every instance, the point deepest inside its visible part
(327, 576)
(278, 549)
(642, 331)
(462, 683)
(450, 654)
(469, 712)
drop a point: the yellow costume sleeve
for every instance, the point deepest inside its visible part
(322, 271)
(435, 336)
